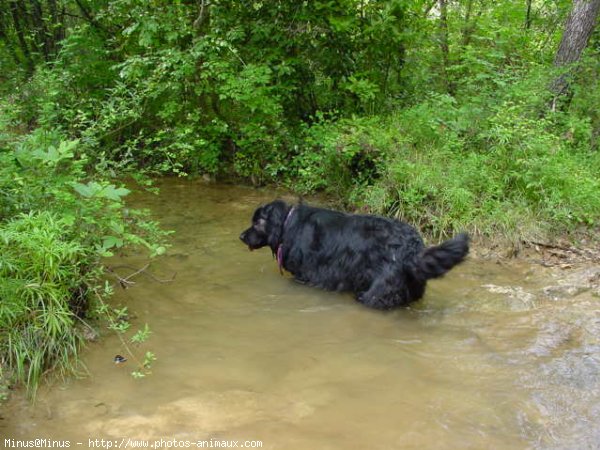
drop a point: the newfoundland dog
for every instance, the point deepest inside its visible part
(382, 261)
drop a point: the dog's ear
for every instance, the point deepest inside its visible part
(257, 213)
(275, 212)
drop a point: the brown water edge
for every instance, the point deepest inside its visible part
(490, 358)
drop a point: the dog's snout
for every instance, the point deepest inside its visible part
(243, 237)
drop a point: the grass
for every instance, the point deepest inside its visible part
(40, 268)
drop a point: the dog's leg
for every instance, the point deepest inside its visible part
(300, 280)
(385, 293)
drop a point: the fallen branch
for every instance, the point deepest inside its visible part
(558, 247)
(125, 282)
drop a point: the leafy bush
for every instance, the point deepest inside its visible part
(56, 224)
(340, 156)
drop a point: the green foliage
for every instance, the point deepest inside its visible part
(355, 98)
(149, 358)
(141, 335)
(118, 321)
(55, 225)
(339, 156)
(213, 91)
(448, 167)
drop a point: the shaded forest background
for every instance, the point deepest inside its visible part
(451, 114)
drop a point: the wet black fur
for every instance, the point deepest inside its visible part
(382, 260)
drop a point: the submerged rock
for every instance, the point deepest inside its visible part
(564, 291)
(518, 298)
(589, 276)
(88, 333)
(574, 283)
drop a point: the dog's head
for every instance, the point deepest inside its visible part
(267, 226)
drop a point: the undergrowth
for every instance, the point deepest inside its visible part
(447, 165)
(56, 223)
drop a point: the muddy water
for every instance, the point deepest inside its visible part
(487, 359)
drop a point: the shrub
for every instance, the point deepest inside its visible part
(55, 225)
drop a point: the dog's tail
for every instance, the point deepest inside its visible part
(436, 261)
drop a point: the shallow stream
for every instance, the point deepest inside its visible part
(495, 356)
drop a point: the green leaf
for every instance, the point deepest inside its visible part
(65, 148)
(112, 193)
(111, 241)
(69, 219)
(141, 335)
(159, 251)
(84, 190)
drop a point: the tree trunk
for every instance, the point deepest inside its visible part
(528, 15)
(429, 7)
(578, 29)
(7, 42)
(19, 30)
(91, 19)
(467, 27)
(444, 46)
(39, 27)
(57, 26)
(202, 22)
(29, 28)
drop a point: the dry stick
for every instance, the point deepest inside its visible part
(558, 247)
(587, 254)
(127, 280)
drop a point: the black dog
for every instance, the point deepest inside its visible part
(383, 261)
